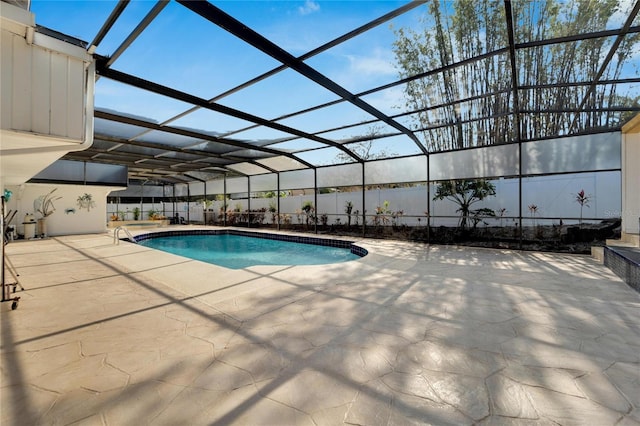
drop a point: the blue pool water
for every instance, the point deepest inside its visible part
(237, 251)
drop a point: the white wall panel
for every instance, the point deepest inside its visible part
(76, 95)
(6, 80)
(235, 185)
(482, 162)
(409, 169)
(181, 189)
(68, 218)
(555, 195)
(21, 85)
(343, 175)
(59, 99)
(43, 91)
(196, 189)
(297, 179)
(631, 182)
(268, 182)
(572, 154)
(215, 186)
(41, 95)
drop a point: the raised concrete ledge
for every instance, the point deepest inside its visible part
(625, 263)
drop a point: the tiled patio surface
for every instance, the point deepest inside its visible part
(122, 335)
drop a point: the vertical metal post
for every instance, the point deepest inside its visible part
(188, 204)
(248, 202)
(278, 200)
(516, 105)
(315, 200)
(428, 201)
(141, 217)
(2, 278)
(364, 211)
(224, 199)
(204, 204)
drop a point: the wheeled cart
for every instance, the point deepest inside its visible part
(8, 288)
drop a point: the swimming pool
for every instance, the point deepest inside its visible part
(239, 249)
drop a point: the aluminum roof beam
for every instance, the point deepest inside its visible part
(108, 24)
(335, 42)
(155, 11)
(605, 63)
(514, 69)
(103, 70)
(183, 132)
(235, 27)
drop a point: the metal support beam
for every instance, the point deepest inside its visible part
(108, 24)
(190, 133)
(278, 200)
(348, 36)
(137, 31)
(238, 29)
(102, 69)
(605, 62)
(516, 106)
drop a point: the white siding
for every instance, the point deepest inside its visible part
(42, 91)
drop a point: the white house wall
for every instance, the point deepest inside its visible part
(68, 218)
(43, 91)
(631, 177)
(47, 97)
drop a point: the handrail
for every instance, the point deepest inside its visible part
(116, 232)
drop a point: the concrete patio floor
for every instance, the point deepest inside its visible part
(411, 334)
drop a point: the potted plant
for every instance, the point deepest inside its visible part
(136, 213)
(44, 205)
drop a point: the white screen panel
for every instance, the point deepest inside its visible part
(247, 168)
(555, 195)
(282, 163)
(215, 186)
(297, 179)
(409, 169)
(63, 170)
(344, 175)
(181, 189)
(152, 191)
(196, 188)
(139, 191)
(475, 163)
(235, 185)
(268, 182)
(107, 173)
(572, 154)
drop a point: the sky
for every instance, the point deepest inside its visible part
(182, 50)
